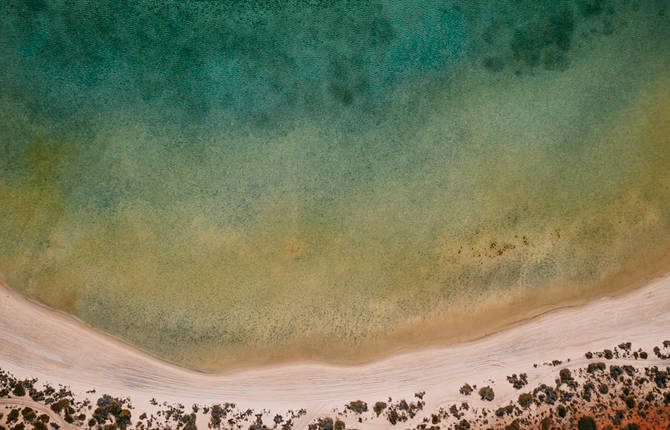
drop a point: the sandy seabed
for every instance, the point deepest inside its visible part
(36, 342)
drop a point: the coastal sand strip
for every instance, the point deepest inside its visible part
(42, 343)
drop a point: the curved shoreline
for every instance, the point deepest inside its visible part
(528, 306)
(46, 344)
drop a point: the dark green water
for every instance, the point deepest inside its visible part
(222, 182)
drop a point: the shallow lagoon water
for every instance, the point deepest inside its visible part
(222, 184)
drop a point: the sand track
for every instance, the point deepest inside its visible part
(39, 408)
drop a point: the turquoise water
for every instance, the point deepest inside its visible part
(222, 183)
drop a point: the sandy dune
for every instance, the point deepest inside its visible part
(41, 343)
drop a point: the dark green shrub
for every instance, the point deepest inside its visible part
(565, 375)
(463, 425)
(545, 424)
(596, 366)
(379, 407)
(123, 418)
(393, 416)
(39, 425)
(358, 406)
(28, 414)
(525, 400)
(586, 423)
(12, 416)
(19, 391)
(486, 393)
(60, 405)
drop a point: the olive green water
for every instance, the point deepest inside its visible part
(225, 184)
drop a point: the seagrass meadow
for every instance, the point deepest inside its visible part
(227, 183)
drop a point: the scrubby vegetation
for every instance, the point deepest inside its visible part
(619, 394)
(379, 407)
(358, 406)
(518, 382)
(466, 389)
(525, 400)
(486, 393)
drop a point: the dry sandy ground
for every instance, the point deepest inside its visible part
(55, 348)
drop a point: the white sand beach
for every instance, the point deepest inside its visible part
(36, 342)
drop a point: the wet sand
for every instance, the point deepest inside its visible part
(41, 343)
